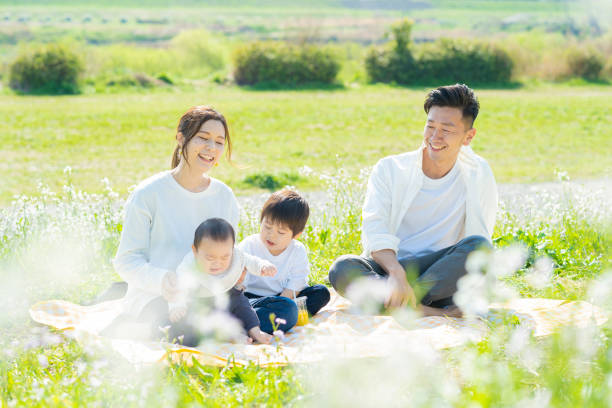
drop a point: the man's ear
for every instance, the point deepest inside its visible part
(193, 248)
(296, 236)
(469, 136)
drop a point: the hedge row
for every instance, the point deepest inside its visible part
(283, 63)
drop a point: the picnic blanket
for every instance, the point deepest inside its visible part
(335, 331)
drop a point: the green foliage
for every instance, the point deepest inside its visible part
(49, 69)
(271, 182)
(444, 61)
(284, 63)
(450, 61)
(585, 63)
(137, 80)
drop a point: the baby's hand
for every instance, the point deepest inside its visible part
(261, 337)
(169, 288)
(177, 313)
(268, 270)
(242, 276)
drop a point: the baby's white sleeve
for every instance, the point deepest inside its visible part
(253, 264)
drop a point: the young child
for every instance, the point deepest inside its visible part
(213, 267)
(283, 218)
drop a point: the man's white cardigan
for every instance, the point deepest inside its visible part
(396, 180)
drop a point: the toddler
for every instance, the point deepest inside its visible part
(283, 218)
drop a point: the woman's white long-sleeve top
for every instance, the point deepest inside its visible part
(158, 228)
(396, 180)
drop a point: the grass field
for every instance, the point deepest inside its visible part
(68, 163)
(527, 135)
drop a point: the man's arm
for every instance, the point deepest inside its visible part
(401, 291)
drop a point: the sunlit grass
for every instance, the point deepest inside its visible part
(526, 135)
(507, 368)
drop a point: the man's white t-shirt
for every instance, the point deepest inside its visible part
(292, 267)
(436, 217)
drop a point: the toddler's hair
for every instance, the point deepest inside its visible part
(288, 208)
(216, 229)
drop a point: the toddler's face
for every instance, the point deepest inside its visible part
(214, 257)
(275, 236)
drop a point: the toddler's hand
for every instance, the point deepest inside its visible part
(169, 287)
(268, 270)
(177, 313)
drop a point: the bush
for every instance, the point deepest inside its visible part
(138, 79)
(443, 61)
(587, 64)
(271, 182)
(464, 61)
(50, 69)
(283, 63)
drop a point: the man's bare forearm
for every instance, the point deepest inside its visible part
(387, 259)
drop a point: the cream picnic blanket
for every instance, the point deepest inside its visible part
(334, 331)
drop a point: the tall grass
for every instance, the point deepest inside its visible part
(59, 245)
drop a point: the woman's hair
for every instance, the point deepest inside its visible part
(190, 124)
(217, 229)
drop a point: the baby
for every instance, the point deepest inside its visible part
(213, 267)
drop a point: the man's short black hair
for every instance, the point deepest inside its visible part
(455, 96)
(216, 229)
(288, 208)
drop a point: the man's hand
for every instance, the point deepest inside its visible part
(169, 287)
(400, 291)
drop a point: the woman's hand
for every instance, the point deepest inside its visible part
(177, 313)
(169, 287)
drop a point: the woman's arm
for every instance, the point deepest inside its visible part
(132, 259)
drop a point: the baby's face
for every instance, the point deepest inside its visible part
(214, 257)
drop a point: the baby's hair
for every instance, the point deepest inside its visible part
(288, 208)
(216, 229)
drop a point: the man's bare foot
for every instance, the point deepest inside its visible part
(450, 311)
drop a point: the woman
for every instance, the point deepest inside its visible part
(163, 212)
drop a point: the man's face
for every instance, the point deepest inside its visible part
(445, 132)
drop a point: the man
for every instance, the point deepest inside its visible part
(425, 211)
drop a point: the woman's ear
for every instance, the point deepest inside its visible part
(180, 139)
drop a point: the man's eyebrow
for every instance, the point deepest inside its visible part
(442, 123)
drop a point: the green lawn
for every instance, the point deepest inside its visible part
(526, 135)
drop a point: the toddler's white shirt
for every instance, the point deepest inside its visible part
(292, 267)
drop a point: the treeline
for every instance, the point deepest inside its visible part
(66, 68)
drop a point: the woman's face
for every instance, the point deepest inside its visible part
(206, 147)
